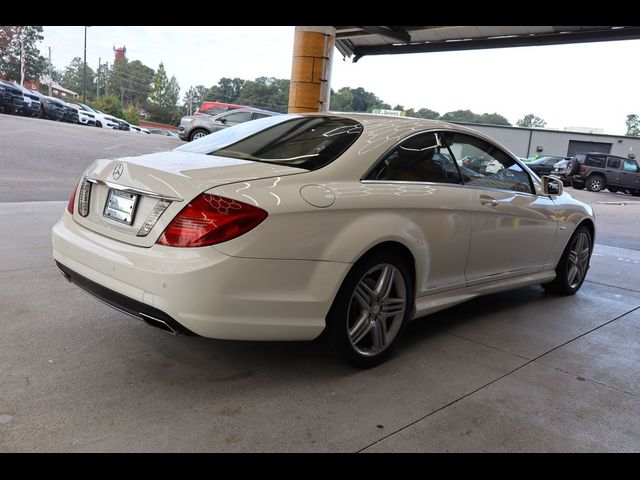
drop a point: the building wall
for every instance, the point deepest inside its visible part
(553, 142)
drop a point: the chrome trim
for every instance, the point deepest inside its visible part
(137, 191)
(457, 185)
(149, 320)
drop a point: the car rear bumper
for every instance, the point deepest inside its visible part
(201, 289)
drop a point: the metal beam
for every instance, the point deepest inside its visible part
(397, 33)
(626, 33)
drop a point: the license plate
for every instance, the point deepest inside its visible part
(121, 206)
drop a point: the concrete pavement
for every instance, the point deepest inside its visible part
(515, 371)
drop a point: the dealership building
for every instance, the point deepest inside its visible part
(525, 142)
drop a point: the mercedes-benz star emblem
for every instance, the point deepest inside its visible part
(117, 172)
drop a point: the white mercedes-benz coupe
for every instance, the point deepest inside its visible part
(287, 226)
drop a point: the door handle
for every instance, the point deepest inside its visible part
(487, 200)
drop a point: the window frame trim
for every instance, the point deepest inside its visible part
(383, 156)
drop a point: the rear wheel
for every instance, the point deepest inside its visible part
(198, 133)
(613, 189)
(573, 265)
(595, 183)
(371, 309)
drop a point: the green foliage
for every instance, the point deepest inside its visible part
(265, 92)
(72, 78)
(427, 113)
(633, 125)
(470, 117)
(194, 97)
(531, 120)
(10, 39)
(131, 114)
(131, 81)
(349, 99)
(227, 91)
(108, 104)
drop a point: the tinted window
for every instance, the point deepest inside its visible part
(237, 117)
(419, 159)
(482, 164)
(215, 110)
(304, 142)
(260, 115)
(613, 163)
(594, 161)
(630, 166)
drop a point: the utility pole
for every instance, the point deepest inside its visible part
(84, 76)
(98, 79)
(50, 72)
(106, 80)
(22, 58)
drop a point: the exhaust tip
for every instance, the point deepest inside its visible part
(155, 322)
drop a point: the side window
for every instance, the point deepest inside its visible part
(214, 110)
(613, 163)
(237, 117)
(421, 158)
(259, 115)
(484, 165)
(595, 161)
(630, 166)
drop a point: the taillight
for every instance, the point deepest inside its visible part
(210, 219)
(72, 199)
(583, 169)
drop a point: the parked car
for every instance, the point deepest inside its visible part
(86, 117)
(11, 98)
(600, 170)
(51, 108)
(71, 113)
(195, 127)
(31, 107)
(560, 170)
(290, 225)
(215, 108)
(137, 129)
(103, 120)
(122, 124)
(544, 165)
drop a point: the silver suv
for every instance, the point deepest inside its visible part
(197, 126)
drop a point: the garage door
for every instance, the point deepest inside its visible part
(577, 147)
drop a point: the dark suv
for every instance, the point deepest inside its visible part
(599, 170)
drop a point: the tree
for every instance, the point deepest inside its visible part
(109, 104)
(349, 99)
(194, 97)
(131, 114)
(164, 91)
(72, 78)
(11, 39)
(531, 120)
(633, 125)
(228, 90)
(460, 116)
(427, 113)
(266, 92)
(399, 107)
(493, 119)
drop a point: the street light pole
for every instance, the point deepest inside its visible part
(84, 76)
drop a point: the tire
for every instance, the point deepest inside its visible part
(98, 124)
(595, 183)
(576, 254)
(577, 185)
(613, 189)
(371, 309)
(198, 133)
(636, 193)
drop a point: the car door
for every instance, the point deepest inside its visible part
(236, 117)
(512, 228)
(421, 182)
(612, 171)
(629, 175)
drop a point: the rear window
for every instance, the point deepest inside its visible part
(304, 142)
(595, 161)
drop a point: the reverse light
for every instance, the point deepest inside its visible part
(211, 219)
(72, 198)
(83, 198)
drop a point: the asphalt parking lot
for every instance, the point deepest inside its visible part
(514, 371)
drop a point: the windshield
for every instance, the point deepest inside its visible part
(304, 142)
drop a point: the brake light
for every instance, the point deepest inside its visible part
(583, 169)
(211, 219)
(72, 198)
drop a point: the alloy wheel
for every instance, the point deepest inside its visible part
(578, 259)
(376, 309)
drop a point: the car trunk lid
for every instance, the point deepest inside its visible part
(133, 199)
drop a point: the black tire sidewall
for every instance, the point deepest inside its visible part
(594, 177)
(337, 316)
(197, 130)
(562, 269)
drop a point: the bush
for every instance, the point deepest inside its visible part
(108, 104)
(131, 115)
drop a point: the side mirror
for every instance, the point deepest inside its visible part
(551, 185)
(222, 120)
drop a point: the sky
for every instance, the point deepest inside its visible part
(551, 82)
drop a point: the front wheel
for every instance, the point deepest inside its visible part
(198, 133)
(573, 265)
(595, 183)
(371, 310)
